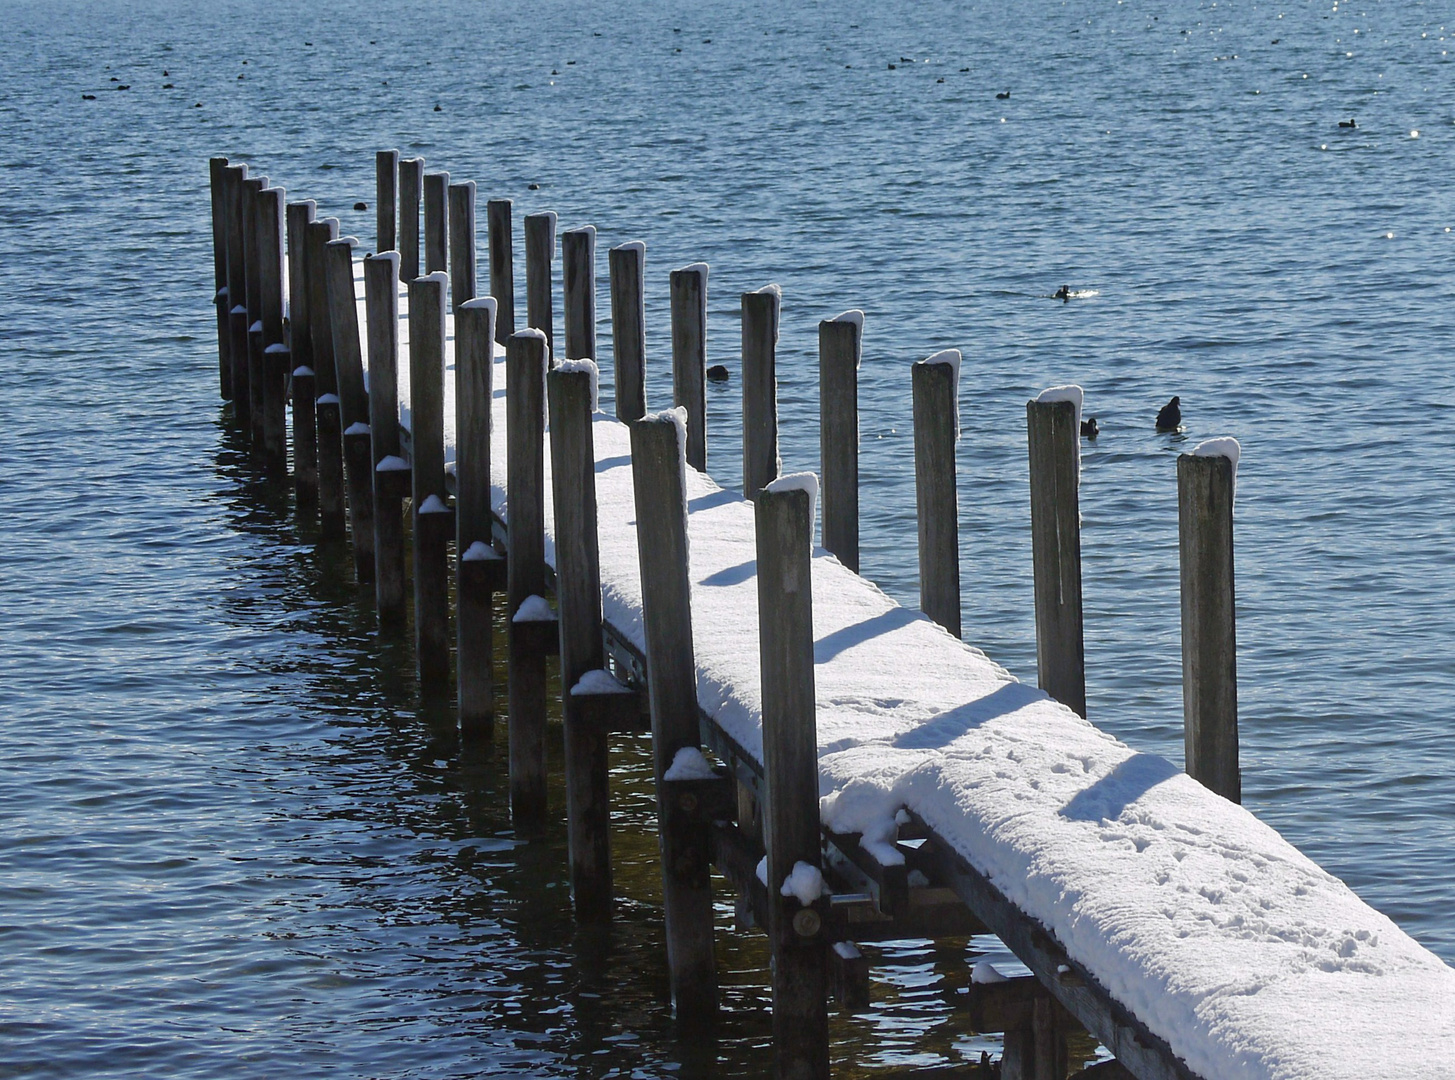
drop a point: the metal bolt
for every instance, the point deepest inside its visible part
(806, 923)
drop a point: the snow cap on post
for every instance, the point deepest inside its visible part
(799, 481)
(951, 359)
(1225, 446)
(588, 366)
(1075, 395)
(856, 316)
(775, 291)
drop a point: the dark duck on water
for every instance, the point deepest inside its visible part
(1170, 418)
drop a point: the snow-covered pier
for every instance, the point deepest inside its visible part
(876, 777)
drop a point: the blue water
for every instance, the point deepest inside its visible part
(230, 840)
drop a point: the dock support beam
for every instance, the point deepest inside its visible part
(626, 266)
(578, 291)
(386, 200)
(436, 222)
(300, 343)
(331, 511)
(1209, 638)
(540, 252)
(790, 764)
(432, 522)
(237, 313)
(1054, 439)
(461, 215)
(480, 570)
(411, 188)
(381, 305)
(934, 384)
(502, 266)
(840, 345)
(348, 362)
(578, 607)
(760, 389)
(661, 507)
(216, 172)
(525, 377)
(271, 217)
(253, 187)
(689, 356)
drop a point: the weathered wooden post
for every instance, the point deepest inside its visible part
(627, 265)
(840, 347)
(571, 389)
(1054, 423)
(1206, 480)
(391, 476)
(502, 266)
(935, 382)
(578, 291)
(760, 388)
(330, 420)
(532, 623)
(348, 362)
(540, 252)
(411, 186)
(480, 569)
(689, 356)
(253, 187)
(276, 364)
(237, 311)
(432, 521)
(784, 513)
(461, 214)
(216, 172)
(300, 342)
(436, 222)
(661, 507)
(386, 200)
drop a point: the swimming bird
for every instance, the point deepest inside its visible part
(361, 206)
(1170, 418)
(1063, 293)
(1089, 428)
(533, 187)
(717, 373)
(88, 97)
(1002, 96)
(1349, 123)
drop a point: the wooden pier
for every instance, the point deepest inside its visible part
(867, 776)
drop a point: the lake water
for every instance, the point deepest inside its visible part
(233, 844)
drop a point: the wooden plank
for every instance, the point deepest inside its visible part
(461, 215)
(348, 363)
(386, 200)
(1054, 442)
(626, 265)
(270, 221)
(427, 297)
(540, 252)
(760, 391)
(839, 350)
(381, 308)
(937, 510)
(474, 609)
(252, 189)
(578, 603)
(661, 507)
(331, 506)
(689, 356)
(411, 188)
(1209, 632)
(790, 762)
(237, 324)
(436, 222)
(502, 266)
(216, 171)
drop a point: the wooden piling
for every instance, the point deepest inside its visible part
(331, 508)
(253, 187)
(216, 172)
(348, 362)
(934, 382)
(578, 601)
(460, 212)
(525, 370)
(436, 222)
(432, 523)
(661, 509)
(578, 291)
(760, 389)
(689, 356)
(626, 265)
(276, 366)
(386, 200)
(480, 569)
(502, 266)
(1055, 463)
(1209, 638)
(390, 477)
(411, 186)
(540, 252)
(840, 346)
(237, 312)
(790, 763)
(302, 382)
